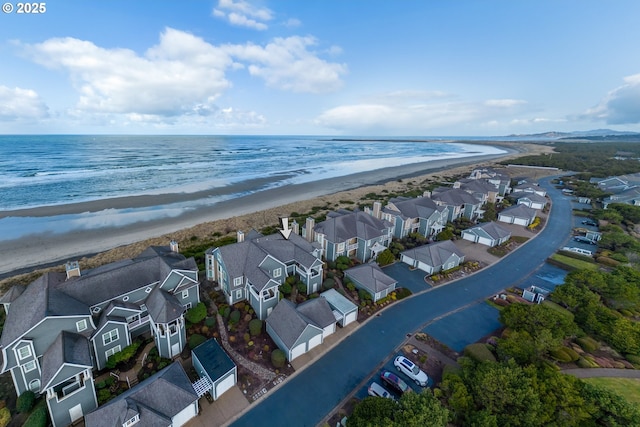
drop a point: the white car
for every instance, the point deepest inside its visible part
(410, 369)
(377, 390)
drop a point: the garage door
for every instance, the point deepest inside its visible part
(224, 385)
(469, 236)
(315, 341)
(298, 351)
(351, 317)
(484, 241)
(520, 221)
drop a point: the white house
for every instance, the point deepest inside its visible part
(434, 257)
(488, 233)
(519, 214)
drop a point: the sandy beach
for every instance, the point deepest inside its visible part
(254, 210)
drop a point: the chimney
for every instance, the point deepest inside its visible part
(73, 269)
(456, 184)
(377, 207)
(295, 227)
(240, 236)
(427, 193)
(308, 228)
(173, 245)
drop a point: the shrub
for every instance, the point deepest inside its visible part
(195, 340)
(403, 293)
(588, 344)
(386, 257)
(286, 288)
(246, 337)
(633, 358)
(364, 295)
(278, 358)
(255, 327)
(479, 352)
(302, 288)
(103, 395)
(234, 317)
(609, 262)
(350, 286)
(196, 314)
(561, 355)
(328, 283)
(38, 418)
(123, 356)
(25, 401)
(5, 416)
(572, 353)
(210, 322)
(226, 312)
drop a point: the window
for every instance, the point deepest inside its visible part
(237, 281)
(112, 351)
(187, 306)
(239, 294)
(109, 337)
(24, 352)
(185, 294)
(148, 290)
(29, 366)
(268, 293)
(340, 247)
(131, 421)
(96, 310)
(125, 298)
(34, 385)
(173, 329)
(277, 272)
(81, 325)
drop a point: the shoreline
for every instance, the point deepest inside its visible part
(30, 252)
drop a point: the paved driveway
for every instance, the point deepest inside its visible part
(410, 279)
(308, 396)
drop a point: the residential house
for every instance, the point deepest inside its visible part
(459, 202)
(518, 214)
(215, 368)
(370, 278)
(630, 196)
(63, 326)
(351, 233)
(530, 199)
(433, 257)
(501, 180)
(530, 188)
(481, 189)
(297, 330)
(344, 311)
(412, 215)
(254, 268)
(487, 233)
(164, 399)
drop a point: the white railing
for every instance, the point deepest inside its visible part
(138, 322)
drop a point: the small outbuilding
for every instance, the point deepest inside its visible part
(370, 278)
(433, 257)
(519, 215)
(344, 311)
(215, 368)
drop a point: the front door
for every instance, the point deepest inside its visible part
(175, 349)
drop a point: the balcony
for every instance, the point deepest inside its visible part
(138, 322)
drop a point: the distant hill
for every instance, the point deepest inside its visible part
(588, 135)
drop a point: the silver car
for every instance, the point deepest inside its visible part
(377, 390)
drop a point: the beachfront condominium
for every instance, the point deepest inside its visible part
(63, 326)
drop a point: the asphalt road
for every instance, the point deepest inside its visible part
(307, 397)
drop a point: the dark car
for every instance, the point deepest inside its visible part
(590, 222)
(394, 383)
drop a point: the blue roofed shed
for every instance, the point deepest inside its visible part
(217, 371)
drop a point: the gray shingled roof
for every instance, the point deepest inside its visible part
(104, 283)
(478, 186)
(344, 225)
(163, 307)
(39, 300)
(318, 311)
(287, 322)
(12, 294)
(156, 400)
(371, 277)
(519, 211)
(418, 207)
(67, 348)
(453, 196)
(490, 229)
(534, 197)
(434, 254)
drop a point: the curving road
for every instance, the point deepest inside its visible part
(307, 397)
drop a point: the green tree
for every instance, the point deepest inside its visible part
(385, 257)
(373, 412)
(419, 410)
(25, 401)
(196, 314)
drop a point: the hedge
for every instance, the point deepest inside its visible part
(38, 417)
(25, 401)
(479, 352)
(123, 356)
(588, 344)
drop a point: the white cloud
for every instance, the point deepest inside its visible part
(21, 104)
(415, 112)
(292, 23)
(243, 14)
(621, 105)
(287, 63)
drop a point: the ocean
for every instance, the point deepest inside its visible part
(48, 170)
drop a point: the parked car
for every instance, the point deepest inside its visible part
(377, 390)
(411, 370)
(590, 222)
(393, 381)
(583, 239)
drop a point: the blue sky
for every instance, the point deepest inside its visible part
(330, 67)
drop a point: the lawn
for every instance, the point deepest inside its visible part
(574, 263)
(629, 388)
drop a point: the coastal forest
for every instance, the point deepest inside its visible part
(515, 378)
